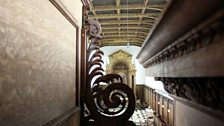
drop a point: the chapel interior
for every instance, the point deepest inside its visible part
(111, 63)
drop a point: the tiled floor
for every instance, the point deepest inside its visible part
(143, 117)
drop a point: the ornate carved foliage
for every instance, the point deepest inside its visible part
(205, 91)
(113, 105)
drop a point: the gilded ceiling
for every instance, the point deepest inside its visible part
(125, 22)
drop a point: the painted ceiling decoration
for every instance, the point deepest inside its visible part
(125, 21)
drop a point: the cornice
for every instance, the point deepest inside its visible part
(179, 26)
(204, 35)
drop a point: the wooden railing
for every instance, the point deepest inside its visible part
(160, 121)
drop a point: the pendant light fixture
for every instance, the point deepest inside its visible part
(127, 27)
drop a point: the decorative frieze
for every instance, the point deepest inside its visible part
(205, 91)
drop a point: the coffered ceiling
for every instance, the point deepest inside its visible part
(125, 22)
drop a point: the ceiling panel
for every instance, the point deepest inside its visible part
(125, 22)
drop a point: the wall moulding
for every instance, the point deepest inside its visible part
(65, 11)
(63, 117)
(69, 16)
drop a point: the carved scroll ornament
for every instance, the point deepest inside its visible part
(113, 105)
